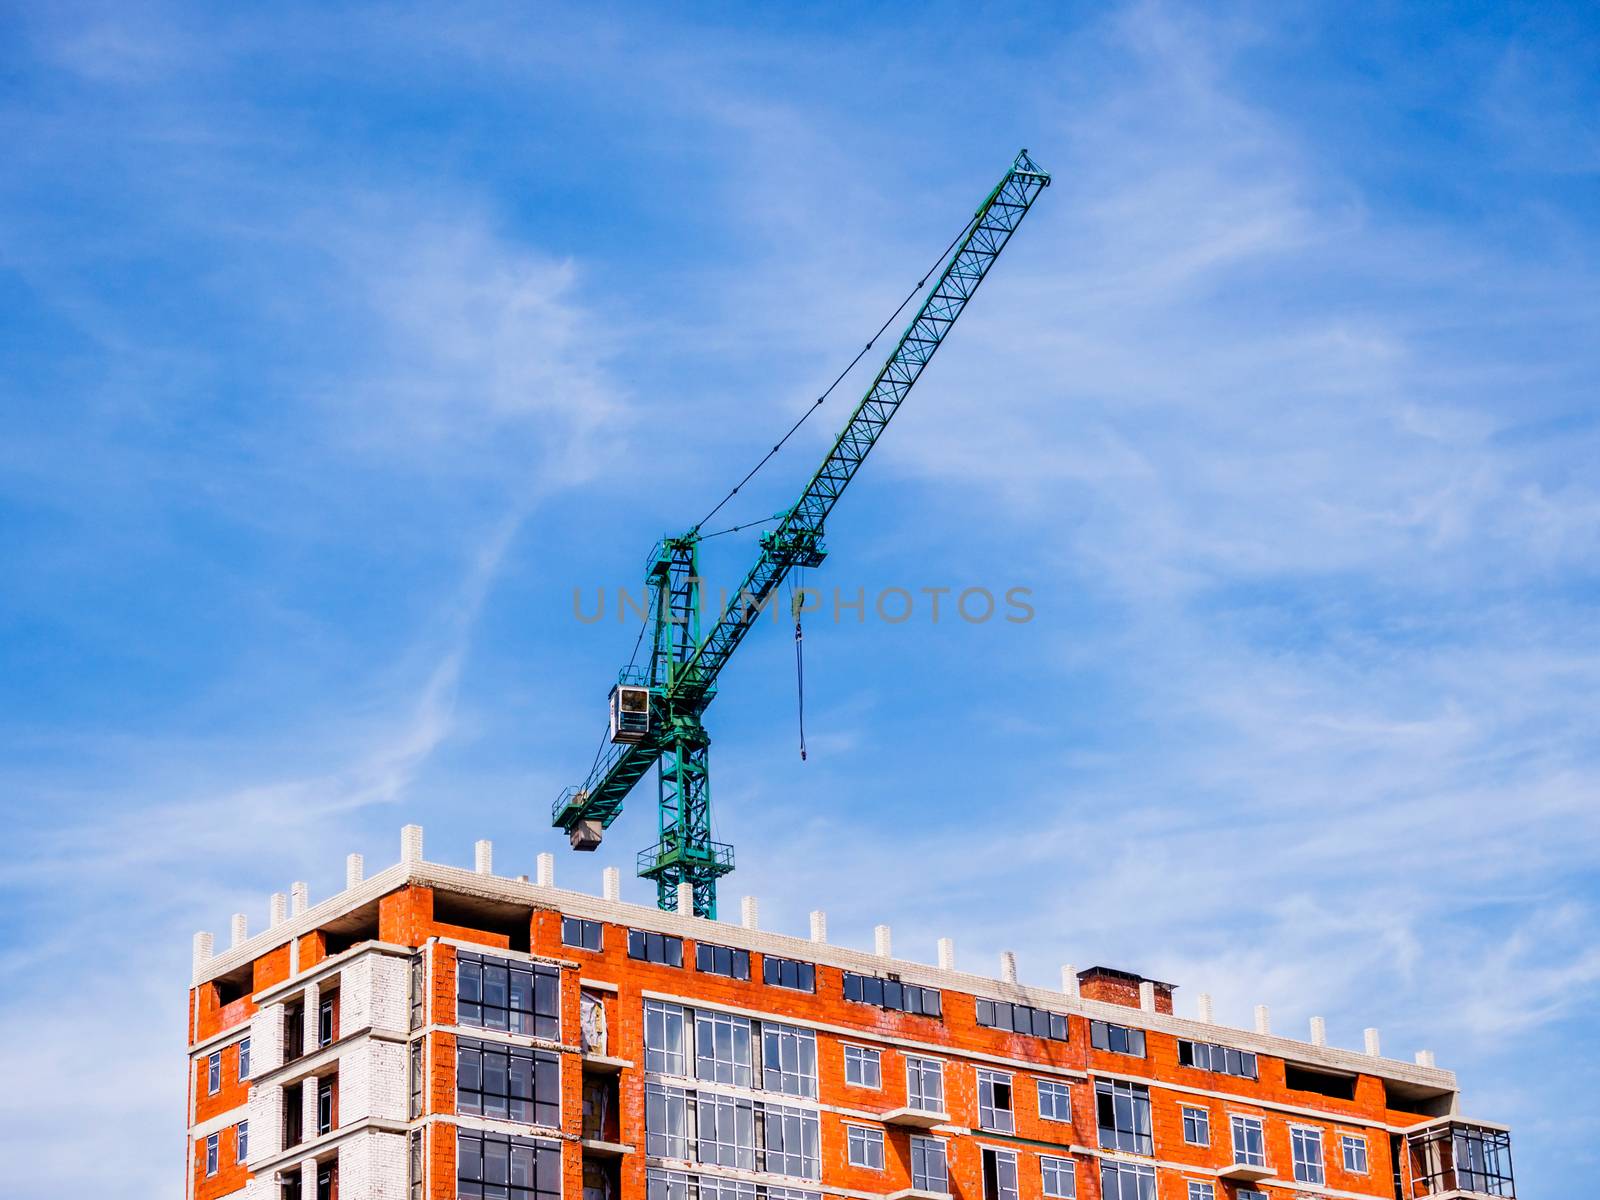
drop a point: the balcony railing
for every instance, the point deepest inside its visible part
(1459, 1158)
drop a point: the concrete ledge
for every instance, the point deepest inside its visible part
(915, 1118)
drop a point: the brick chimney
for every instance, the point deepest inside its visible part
(1111, 986)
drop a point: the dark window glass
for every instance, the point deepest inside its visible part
(325, 1022)
(492, 1166)
(722, 960)
(325, 1091)
(585, 935)
(1124, 1110)
(1225, 1060)
(655, 947)
(328, 1182)
(293, 1108)
(508, 1083)
(294, 1037)
(241, 1142)
(514, 997)
(244, 1059)
(1022, 1018)
(891, 993)
(211, 1155)
(1117, 1038)
(786, 972)
(214, 1073)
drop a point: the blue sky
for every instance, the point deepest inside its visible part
(339, 347)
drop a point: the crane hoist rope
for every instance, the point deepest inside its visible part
(656, 709)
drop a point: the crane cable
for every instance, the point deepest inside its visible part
(795, 593)
(817, 403)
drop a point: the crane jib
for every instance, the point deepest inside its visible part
(685, 666)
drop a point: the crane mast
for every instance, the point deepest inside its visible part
(657, 709)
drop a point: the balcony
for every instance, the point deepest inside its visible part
(1244, 1172)
(914, 1116)
(1465, 1159)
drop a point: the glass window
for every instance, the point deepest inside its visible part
(788, 1059)
(508, 1083)
(663, 1038)
(655, 947)
(1127, 1181)
(863, 1066)
(928, 1170)
(792, 1142)
(666, 1185)
(325, 1021)
(865, 1147)
(1249, 1142)
(244, 1060)
(493, 1166)
(1021, 1018)
(666, 1121)
(1354, 1148)
(1207, 1056)
(325, 1095)
(722, 1048)
(1201, 1191)
(786, 972)
(513, 997)
(1124, 1114)
(416, 1080)
(1060, 1177)
(727, 1131)
(1055, 1100)
(891, 993)
(581, 934)
(1196, 1126)
(214, 1073)
(924, 1084)
(999, 1174)
(1305, 1148)
(211, 1155)
(994, 1101)
(722, 960)
(241, 1141)
(1119, 1039)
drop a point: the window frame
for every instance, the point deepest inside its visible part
(991, 1079)
(664, 1056)
(584, 927)
(474, 980)
(1200, 1189)
(1248, 1122)
(1061, 1164)
(777, 1039)
(893, 994)
(662, 949)
(213, 1153)
(1316, 1168)
(922, 1067)
(1200, 1119)
(920, 1178)
(1358, 1143)
(1142, 1173)
(541, 1070)
(542, 1156)
(1103, 1033)
(863, 1056)
(774, 967)
(709, 1045)
(999, 1156)
(871, 1143)
(1136, 1097)
(1059, 1090)
(213, 1072)
(241, 1141)
(738, 961)
(242, 1066)
(1004, 1015)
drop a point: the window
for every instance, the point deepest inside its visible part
(294, 1031)
(1202, 1191)
(666, 1185)
(865, 1147)
(214, 1074)
(1119, 1039)
(727, 1131)
(1305, 1148)
(788, 1059)
(1196, 1126)
(786, 972)
(722, 1048)
(1207, 1056)
(511, 1168)
(999, 1174)
(581, 934)
(1020, 1018)
(325, 1022)
(722, 960)
(328, 1181)
(1250, 1194)
(792, 1137)
(244, 1060)
(891, 993)
(508, 1083)
(924, 1084)
(513, 997)
(655, 947)
(414, 1167)
(211, 1155)
(1354, 1149)
(418, 992)
(326, 1114)
(663, 1038)
(1124, 1112)
(415, 1108)
(928, 1170)
(666, 1121)
(1126, 1181)
(863, 1067)
(1249, 1143)
(1060, 1177)
(994, 1101)
(293, 1108)
(241, 1141)
(1055, 1101)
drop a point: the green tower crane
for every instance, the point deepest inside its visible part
(656, 710)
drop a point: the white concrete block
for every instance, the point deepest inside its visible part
(203, 944)
(1263, 1019)
(750, 912)
(947, 953)
(411, 844)
(819, 926)
(238, 930)
(611, 884)
(1207, 1012)
(1319, 1031)
(1069, 980)
(279, 908)
(299, 898)
(483, 856)
(1147, 995)
(1008, 966)
(546, 870)
(355, 870)
(686, 899)
(882, 941)
(1373, 1047)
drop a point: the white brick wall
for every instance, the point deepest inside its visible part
(372, 1166)
(266, 1120)
(355, 994)
(266, 1039)
(390, 991)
